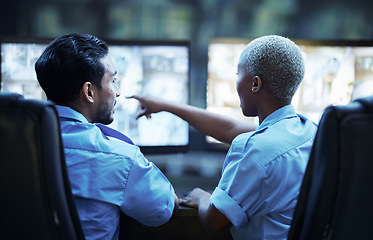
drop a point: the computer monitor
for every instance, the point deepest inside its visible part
(336, 72)
(158, 68)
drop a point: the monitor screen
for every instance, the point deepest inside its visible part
(144, 67)
(336, 72)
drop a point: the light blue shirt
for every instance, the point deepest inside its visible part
(108, 174)
(262, 174)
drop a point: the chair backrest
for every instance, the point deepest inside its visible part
(36, 200)
(336, 197)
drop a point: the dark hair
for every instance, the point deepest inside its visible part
(67, 63)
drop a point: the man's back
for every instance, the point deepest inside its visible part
(107, 175)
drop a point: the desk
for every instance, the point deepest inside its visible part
(185, 171)
(189, 170)
(185, 225)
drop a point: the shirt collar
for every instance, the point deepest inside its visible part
(287, 111)
(70, 114)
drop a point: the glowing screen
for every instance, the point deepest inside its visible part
(159, 69)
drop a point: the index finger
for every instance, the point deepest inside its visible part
(133, 96)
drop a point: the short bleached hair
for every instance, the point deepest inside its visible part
(278, 62)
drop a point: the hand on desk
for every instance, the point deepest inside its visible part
(194, 198)
(210, 217)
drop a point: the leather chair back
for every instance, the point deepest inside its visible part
(336, 197)
(36, 199)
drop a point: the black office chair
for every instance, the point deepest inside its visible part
(36, 200)
(336, 198)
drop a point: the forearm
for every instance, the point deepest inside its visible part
(176, 207)
(203, 214)
(220, 127)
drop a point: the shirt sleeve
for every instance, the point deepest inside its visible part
(222, 201)
(237, 195)
(148, 196)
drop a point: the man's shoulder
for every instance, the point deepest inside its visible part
(88, 137)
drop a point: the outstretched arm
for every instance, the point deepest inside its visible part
(220, 127)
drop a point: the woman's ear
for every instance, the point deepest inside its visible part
(88, 92)
(257, 84)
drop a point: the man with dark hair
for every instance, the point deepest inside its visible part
(108, 173)
(263, 170)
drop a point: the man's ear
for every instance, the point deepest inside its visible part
(88, 91)
(257, 84)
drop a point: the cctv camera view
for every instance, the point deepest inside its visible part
(335, 75)
(158, 70)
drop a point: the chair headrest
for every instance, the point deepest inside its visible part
(367, 102)
(7, 98)
(15, 100)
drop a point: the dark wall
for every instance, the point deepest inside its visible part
(194, 20)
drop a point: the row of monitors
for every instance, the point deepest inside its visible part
(143, 67)
(336, 73)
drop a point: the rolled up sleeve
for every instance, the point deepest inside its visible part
(226, 205)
